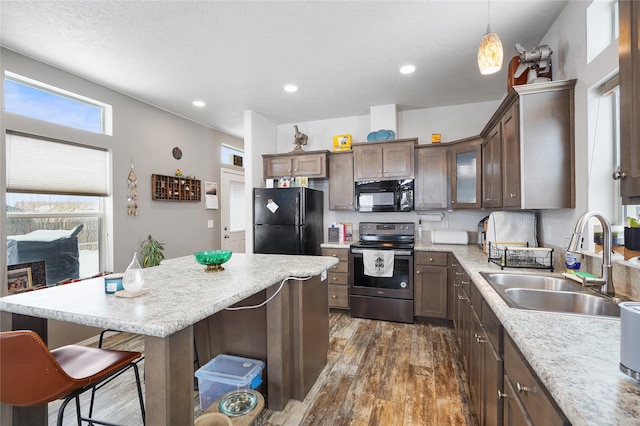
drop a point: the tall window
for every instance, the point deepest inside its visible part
(59, 198)
(34, 99)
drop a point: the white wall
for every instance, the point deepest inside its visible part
(260, 139)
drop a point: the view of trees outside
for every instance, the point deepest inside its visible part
(31, 212)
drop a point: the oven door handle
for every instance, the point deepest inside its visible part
(395, 252)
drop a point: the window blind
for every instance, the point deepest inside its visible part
(44, 166)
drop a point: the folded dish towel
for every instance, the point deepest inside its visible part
(378, 263)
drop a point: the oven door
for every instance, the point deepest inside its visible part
(398, 286)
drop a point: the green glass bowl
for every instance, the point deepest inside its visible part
(213, 259)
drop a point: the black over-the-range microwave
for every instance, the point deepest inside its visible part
(384, 196)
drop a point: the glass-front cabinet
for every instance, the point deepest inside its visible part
(466, 174)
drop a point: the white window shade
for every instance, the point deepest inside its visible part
(52, 167)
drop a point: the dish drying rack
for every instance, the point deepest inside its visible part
(520, 255)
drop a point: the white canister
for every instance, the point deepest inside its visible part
(630, 338)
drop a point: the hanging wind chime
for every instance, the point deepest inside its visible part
(132, 193)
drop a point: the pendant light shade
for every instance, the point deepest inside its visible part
(490, 51)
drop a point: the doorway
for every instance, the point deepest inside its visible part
(232, 206)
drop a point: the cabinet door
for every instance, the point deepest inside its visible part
(462, 324)
(432, 178)
(310, 165)
(341, 181)
(466, 175)
(397, 160)
(275, 167)
(368, 162)
(475, 363)
(492, 372)
(430, 287)
(491, 168)
(629, 48)
(514, 413)
(511, 157)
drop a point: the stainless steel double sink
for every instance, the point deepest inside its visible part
(549, 294)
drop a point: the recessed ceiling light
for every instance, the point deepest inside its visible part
(291, 88)
(407, 69)
(199, 103)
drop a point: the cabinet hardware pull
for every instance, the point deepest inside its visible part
(457, 285)
(453, 202)
(479, 339)
(502, 395)
(465, 282)
(618, 175)
(431, 259)
(462, 297)
(417, 272)
(512, 195)
(333, 296)
(458, 273)
(521, 388)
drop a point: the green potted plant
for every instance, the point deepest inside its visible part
(151, 252)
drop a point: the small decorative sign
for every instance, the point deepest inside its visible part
(334, 235)
(436, 137)
(342, 143)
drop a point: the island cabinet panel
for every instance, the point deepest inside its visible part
(338, 278)
(430, 285)
(384, 160)
(341, 181)
(312, 164)
(290, 333)
(432, 189)
(529, 391)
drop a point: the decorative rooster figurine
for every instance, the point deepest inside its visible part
(300, 139)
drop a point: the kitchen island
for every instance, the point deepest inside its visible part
(182, 296)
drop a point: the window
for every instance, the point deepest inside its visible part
(63, 190)
(602, 22)
(41, 101)
(231, 155)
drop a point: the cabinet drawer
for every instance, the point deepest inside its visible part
(338, 277)
(540, 407)
(492, 326)
(340, 267)
(341, 254)
(338, 296)
(431, 258)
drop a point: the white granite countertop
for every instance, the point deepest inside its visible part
(576, 357)
(181, 293)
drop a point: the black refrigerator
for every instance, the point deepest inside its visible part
(287, 220)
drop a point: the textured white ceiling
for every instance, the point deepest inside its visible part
(238, 55)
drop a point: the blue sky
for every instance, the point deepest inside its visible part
(43, 105)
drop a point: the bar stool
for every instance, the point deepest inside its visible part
(34, 375)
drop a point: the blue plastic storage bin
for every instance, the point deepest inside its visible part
(226, 373)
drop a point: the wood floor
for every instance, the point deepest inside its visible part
(378, 373)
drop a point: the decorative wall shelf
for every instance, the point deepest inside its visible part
(175, 188)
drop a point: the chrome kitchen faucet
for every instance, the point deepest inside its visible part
(575, 246)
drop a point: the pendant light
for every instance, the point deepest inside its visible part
(490, 50)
